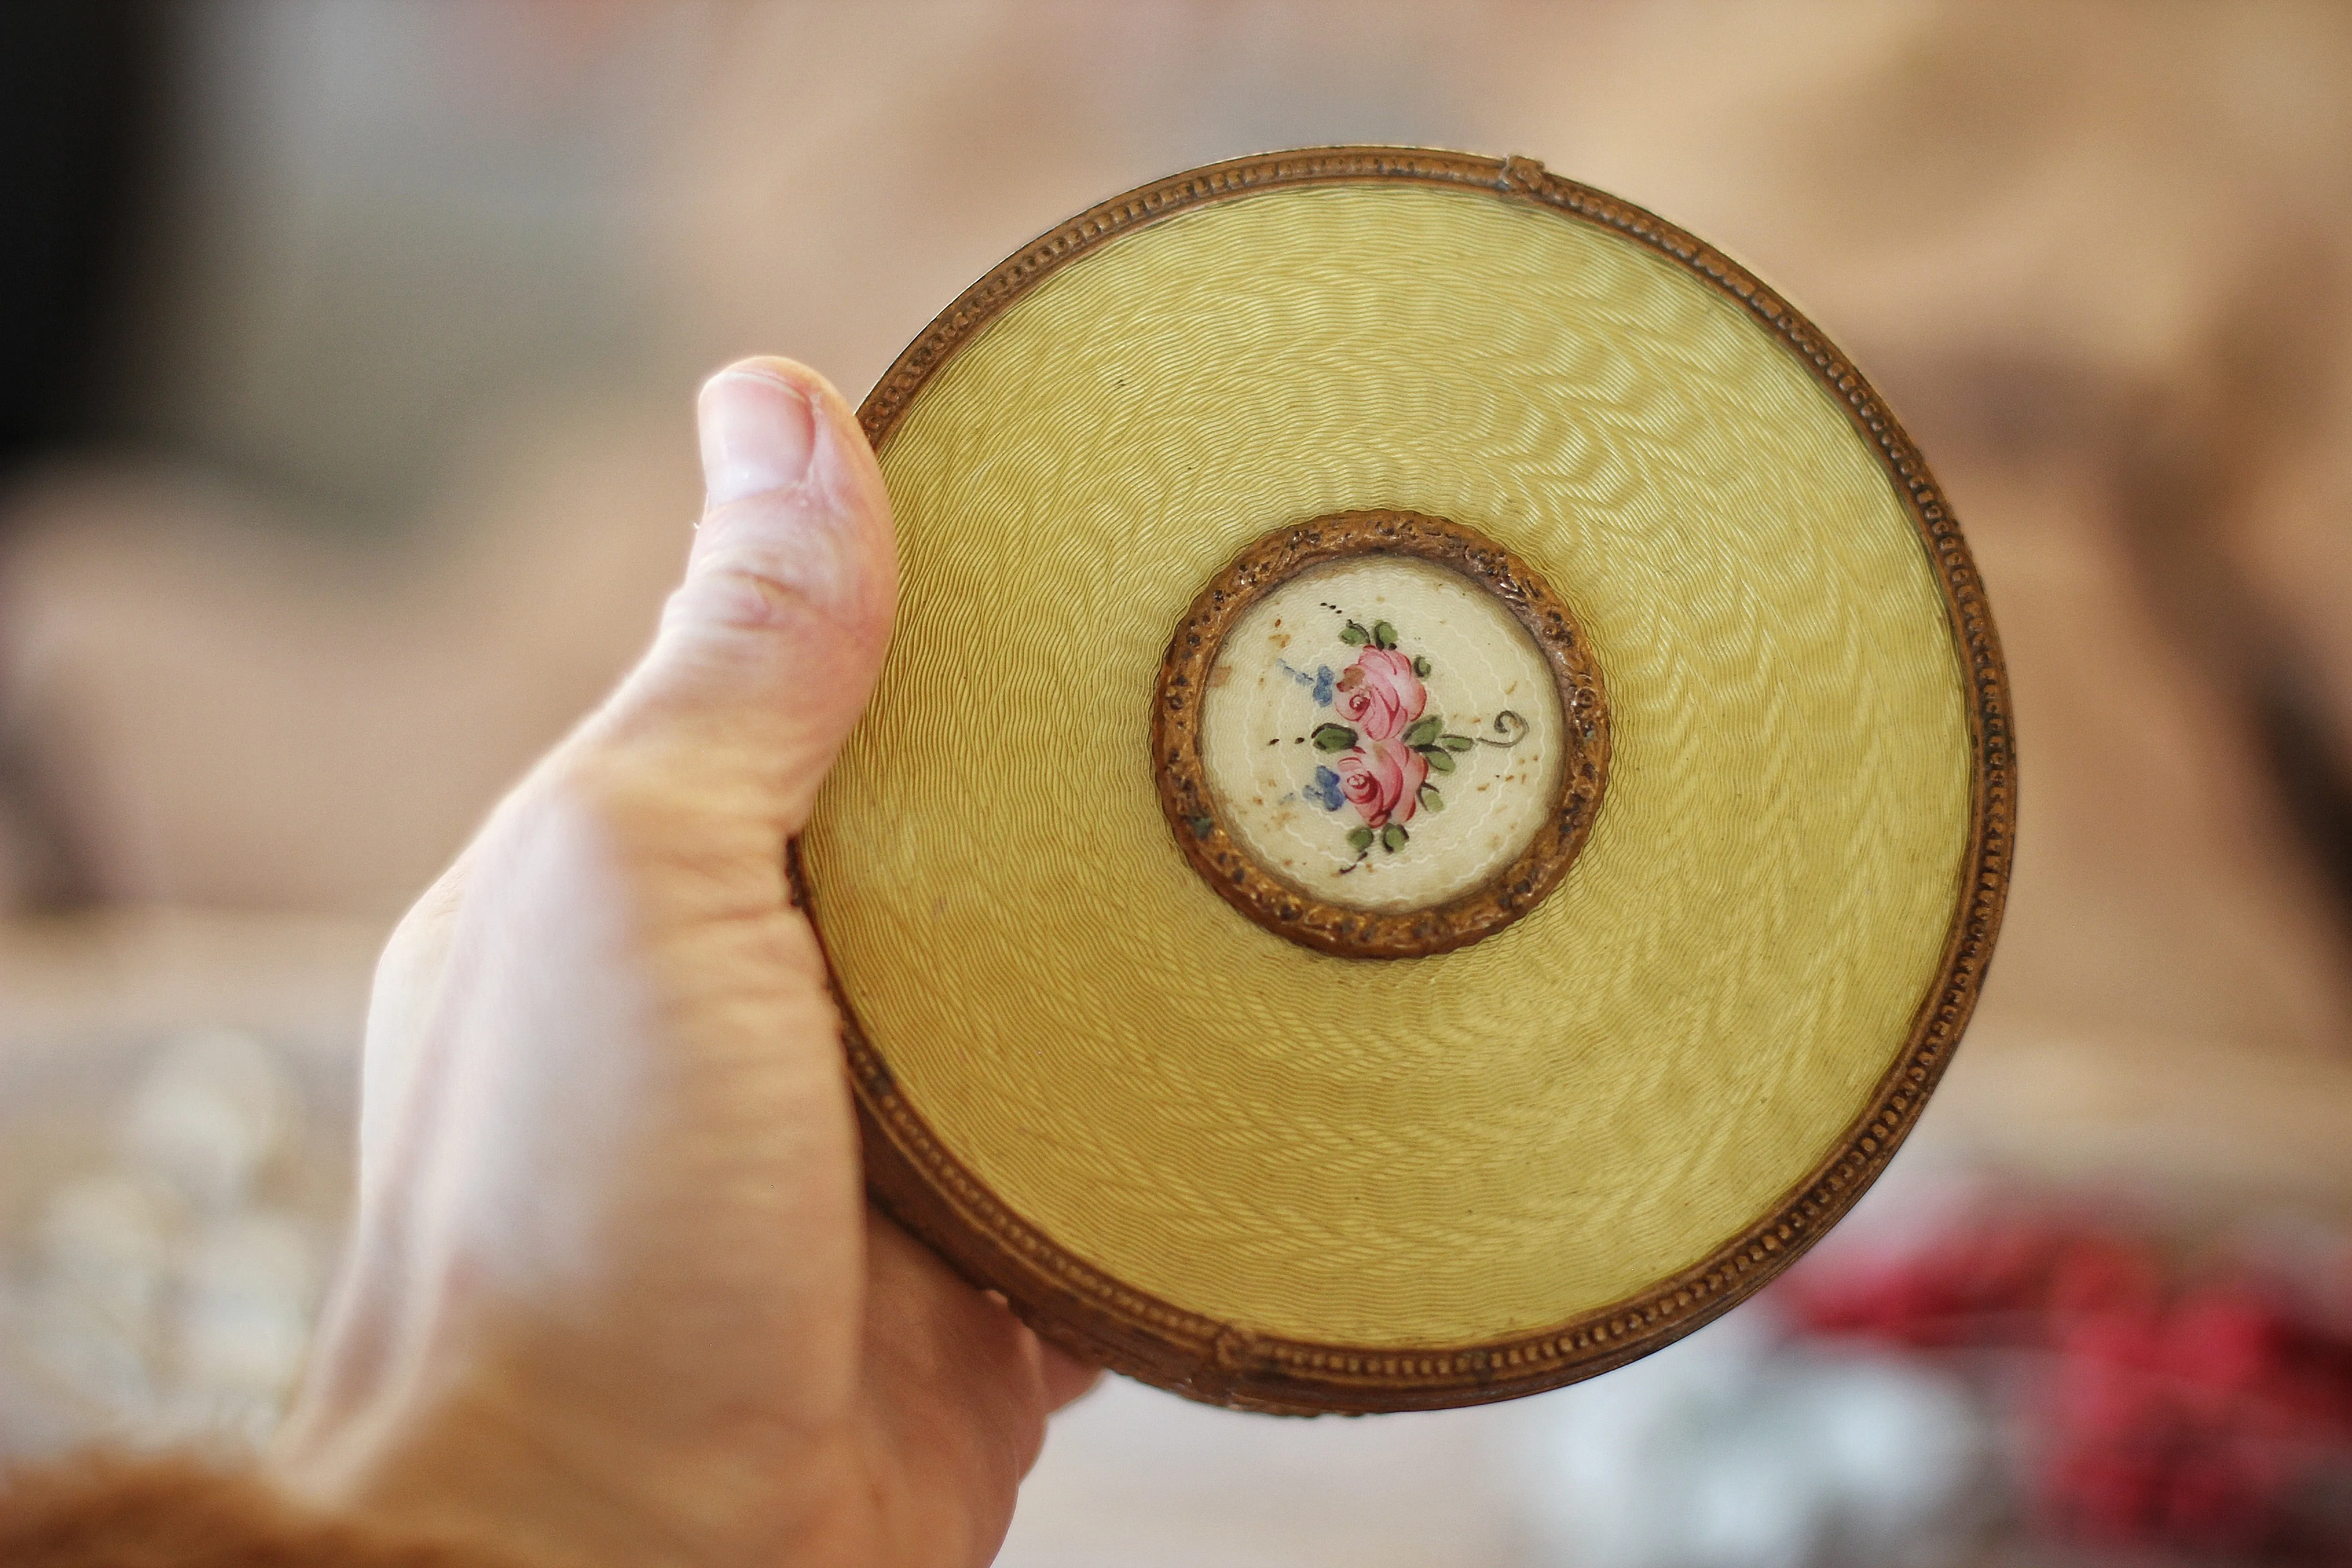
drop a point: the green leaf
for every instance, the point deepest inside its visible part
(1441, 760)
(1360, 840)
(1392, 837)
(1430, 799)
(1384, 634)
(1420, 664)
(1423, 734)
(1456, 742)
(1333, 737)
(1354, 635)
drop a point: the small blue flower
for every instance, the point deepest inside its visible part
(1323, 678)
(1326, 787)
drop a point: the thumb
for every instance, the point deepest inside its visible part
(771, 645)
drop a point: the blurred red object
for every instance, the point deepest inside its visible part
(2152, 1406)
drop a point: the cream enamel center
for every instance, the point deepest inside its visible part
(1381, 732)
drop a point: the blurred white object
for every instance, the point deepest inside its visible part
(165, 1299)
(1734, 1449)
(102, 1244)
(95, 1292)
(245, 1285)
(209, 1112)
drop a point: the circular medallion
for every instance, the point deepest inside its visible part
(1558, 1069)
(1378, 735)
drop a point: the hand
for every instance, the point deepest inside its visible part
(614, 1294)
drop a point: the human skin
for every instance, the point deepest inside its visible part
(614, 1292)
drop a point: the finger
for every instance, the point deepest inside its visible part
(955, 1385)
(1067, 1379)
(768, 649)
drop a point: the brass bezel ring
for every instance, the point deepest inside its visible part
(1282, 908)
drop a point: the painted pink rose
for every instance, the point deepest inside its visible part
(1379, 694)
(1382, 781)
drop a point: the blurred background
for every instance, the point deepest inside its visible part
(345, 455)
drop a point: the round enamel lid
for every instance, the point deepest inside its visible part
(1440, 799)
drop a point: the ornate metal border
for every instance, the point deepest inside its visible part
(1288, 911)
(932, 1193)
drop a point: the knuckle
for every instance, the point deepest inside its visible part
(767, 577)
(737, 596)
